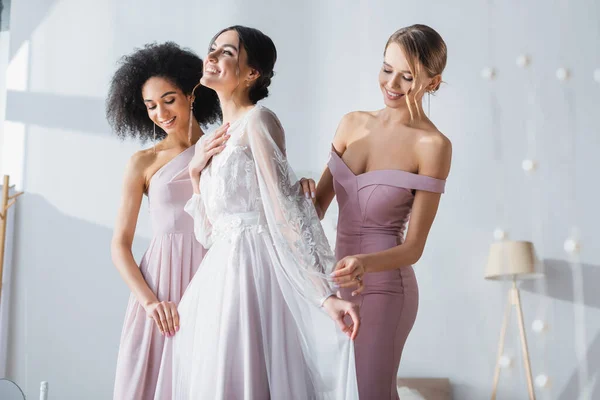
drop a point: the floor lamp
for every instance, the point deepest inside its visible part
(512, 260)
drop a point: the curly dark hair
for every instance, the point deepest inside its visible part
(262, 56)
(125, 109)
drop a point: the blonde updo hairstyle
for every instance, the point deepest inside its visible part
(425, 51)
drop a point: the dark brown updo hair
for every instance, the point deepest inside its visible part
(262, 56)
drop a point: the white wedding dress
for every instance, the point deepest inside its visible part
(251, 323)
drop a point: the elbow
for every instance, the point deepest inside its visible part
(117, 248)
(415, 251)
(114, 252)
(416, 257)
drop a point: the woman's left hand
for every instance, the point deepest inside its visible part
(308, 188)
(349, 273)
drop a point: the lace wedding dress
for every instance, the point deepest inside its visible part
(251, 323)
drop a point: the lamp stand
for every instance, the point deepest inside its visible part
(514, 300)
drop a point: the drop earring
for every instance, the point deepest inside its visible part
(190, 126)
(154, 138)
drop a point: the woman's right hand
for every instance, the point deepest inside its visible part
(165, 315)
(206, 149)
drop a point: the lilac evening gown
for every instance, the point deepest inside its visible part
(374, 208)
(144, 365)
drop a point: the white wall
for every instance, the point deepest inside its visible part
(69, 300)
(4, 45)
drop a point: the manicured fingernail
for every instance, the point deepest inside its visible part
(313, 195)
(306, 195)
(177, 329)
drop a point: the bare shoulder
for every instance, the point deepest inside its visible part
(352, 125)
(138, 164)
(434, 140)
(357, 118)
(434, 151)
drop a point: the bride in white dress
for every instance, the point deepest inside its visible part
(258, 320)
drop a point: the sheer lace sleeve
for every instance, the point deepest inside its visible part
(202, 226)
(196, 209)
(304, 253)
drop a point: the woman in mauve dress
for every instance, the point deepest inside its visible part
(151, 97)
(386, 166)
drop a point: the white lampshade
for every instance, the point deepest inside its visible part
(512, 259)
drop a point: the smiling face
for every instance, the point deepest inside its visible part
(397, 79)
(166, 104)
(226, 67)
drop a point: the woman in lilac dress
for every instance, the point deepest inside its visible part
(385, 166)
(152, 97)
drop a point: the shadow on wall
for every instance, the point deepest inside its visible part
(559, 286)
(67, 298)
(53, 111)
(45, 109)
(22, 25)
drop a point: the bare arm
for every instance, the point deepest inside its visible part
(122, 240)
(435, 156)
(164, 313)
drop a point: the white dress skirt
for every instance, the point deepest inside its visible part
(252, 325)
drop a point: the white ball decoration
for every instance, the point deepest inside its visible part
(529, 165)
(500, 234)
(505, 362)
(488, 73)
(562, 74)
(538, 326)
(597, 75)
(542, 381)
(523, 61)
(571, 246)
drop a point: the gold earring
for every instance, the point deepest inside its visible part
(190, 125)
(154, 138)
